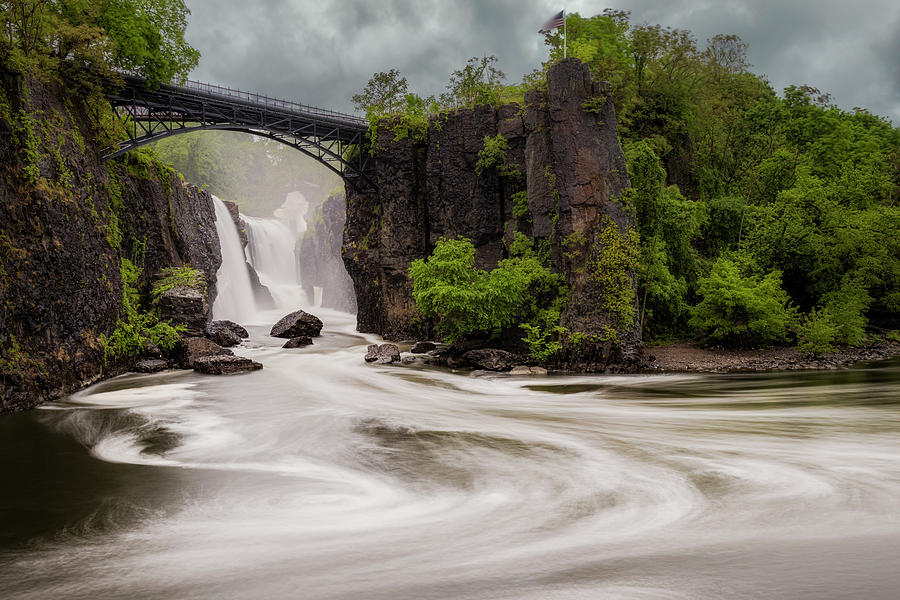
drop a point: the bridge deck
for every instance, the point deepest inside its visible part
(326, 135)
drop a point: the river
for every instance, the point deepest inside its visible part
(324, 477)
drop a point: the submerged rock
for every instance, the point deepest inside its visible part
(298, 342)
(296, 324)
(225, 333)
(491, 359)
(151, 365)
(422, 347)
(383, 354)
(225, 365)
(524, 370)
(192, 349)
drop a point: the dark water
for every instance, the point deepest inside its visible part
(323, 477)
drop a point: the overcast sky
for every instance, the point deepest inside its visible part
(321, 51)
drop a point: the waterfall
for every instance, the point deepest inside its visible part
(271, 252)
(235, 299)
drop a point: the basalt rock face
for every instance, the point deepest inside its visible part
(564, 152)
(318, 254)
(66, 224)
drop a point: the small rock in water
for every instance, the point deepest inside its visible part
(383, 354)
(193, 348)
(238, 329)
(224, 335)
(225, 365)
(422, 347)
(491, 359)
(298, 323)
(520, 370)
(298, 342)
(151, 365)
(538, 371)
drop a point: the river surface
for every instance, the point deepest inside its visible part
(322, 477)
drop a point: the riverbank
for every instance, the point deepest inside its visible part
(684, 357)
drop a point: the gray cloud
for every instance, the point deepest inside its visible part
(321, 52)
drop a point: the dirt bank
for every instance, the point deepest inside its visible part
(688, 357)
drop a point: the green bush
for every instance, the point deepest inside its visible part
(136, 328)
(520, 205)
(817, 333)
(847, 307)
(738, 310)
(467, 301)
(494, 155)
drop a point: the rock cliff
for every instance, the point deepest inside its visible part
(66, 223)
(563, 152)
(319, 255)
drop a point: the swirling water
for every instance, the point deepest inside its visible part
(322, 477)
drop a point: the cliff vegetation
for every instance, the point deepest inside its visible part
(761, 218)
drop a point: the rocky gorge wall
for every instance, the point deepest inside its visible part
(66, 223)
(566, 157)
(319, 255)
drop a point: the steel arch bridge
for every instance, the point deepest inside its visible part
(335, 139)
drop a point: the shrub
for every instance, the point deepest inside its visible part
(817, 332)
(136, 328)
(494, 155)
(468, 301)
(847, 307)
(738, 310)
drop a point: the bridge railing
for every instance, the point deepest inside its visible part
(211, 88)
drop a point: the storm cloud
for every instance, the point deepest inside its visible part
(320, 52)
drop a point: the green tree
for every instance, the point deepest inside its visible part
(479, 82)
(739, 310)
(145, 37)
(384, 94)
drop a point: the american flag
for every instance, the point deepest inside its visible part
(555, 22)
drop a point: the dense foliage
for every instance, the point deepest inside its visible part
(136, 328)
(145, 37)
(468, 301)
(741, 193)
(763, 218)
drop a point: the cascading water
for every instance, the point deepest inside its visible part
(235, 299)
(271, 252)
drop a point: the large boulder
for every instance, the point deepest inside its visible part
(192, 349)
(225, 365)
(188, 305)
(225, 333)
(491, 359)
(298, 342)
(296, 324)
(383, 354)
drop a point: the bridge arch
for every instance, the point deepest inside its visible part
(336, 140)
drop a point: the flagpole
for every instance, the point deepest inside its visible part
(565, 40)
